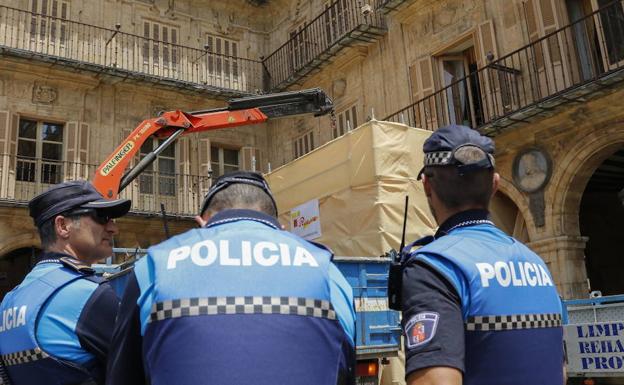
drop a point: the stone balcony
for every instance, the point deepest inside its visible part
(570, 65)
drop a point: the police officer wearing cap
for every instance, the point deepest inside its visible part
(478, 306)
(237, 301)
(56, 325)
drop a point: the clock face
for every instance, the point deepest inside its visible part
(531, 170)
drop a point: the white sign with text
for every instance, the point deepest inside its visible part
(596, 348)
(305, 220)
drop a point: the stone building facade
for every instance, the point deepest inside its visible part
(542, 77)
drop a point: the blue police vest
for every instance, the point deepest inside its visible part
(511, 309)
(26, 362)
(236, 303)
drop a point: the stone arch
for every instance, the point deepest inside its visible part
(569, 182)
(19, 242)
(510, 191)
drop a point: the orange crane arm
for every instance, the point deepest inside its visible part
(111, 177)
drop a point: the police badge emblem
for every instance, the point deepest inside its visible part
(420, 329)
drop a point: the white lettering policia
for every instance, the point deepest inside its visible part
(206, 252)
(513, 274)
(12, 318)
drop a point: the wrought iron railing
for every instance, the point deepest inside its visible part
(388, 6)
(341, 21)
(114, 51)
(551, 70)
(21, 178)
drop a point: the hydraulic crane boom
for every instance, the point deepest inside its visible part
(110, 178)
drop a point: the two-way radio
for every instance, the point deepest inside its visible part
(395, 274)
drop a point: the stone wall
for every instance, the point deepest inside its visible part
(377, 78)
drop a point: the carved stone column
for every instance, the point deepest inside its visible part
(565, 257)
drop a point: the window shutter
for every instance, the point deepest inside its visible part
(259, 165)
(12, 153)
(204, 166)
(428, 107)
(487, 42)
(414, 83)
(548, 10)
(71, 150)
(489, 80)
(187, 201)
(248, 154)
(5, 159)
(82, 155)
(542, 19)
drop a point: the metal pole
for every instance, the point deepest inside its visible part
(164, 218)
(147, 160)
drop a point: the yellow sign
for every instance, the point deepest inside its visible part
(117, 158)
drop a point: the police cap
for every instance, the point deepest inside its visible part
(72, 195)
(234, 177)
(458, 146)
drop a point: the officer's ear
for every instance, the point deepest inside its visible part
(201, 222)
(426, 185)
(495, 183)
(62, 226)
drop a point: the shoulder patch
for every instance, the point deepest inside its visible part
(421, 329)
(76, 265)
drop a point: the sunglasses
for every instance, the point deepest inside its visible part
(92, 213)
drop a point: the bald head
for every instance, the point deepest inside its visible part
(241, 196)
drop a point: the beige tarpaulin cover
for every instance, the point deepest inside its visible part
(360, 180)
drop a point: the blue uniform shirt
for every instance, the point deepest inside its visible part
(240, 301)
(477, 300)
(68, 318)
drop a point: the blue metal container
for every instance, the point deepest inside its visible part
(378, 331)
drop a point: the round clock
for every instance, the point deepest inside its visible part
(531, 170)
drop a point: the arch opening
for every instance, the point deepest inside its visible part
(14, 266)
(601, 219)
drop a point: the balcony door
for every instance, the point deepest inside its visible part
(336, 20)
(39, 161)
(461, 97)
(453, 70)
(48, 26)
(157, 184)
(160, 49)
(221, 63)
(298, 47)
(610, 21)
(550, 52)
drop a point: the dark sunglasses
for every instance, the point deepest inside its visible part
(92, 213)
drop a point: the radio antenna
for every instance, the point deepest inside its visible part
(404, 224)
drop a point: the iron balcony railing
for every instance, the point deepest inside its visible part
(102, 49)
(342, 23)
(565, 65)
(21, 178)
(388, 6)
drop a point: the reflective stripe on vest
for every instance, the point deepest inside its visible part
(510, 306)
(242, 305)
(216, 299)
(24, 359)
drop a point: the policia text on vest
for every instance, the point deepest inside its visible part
(513, 274)
(207, 252)
(13, 317)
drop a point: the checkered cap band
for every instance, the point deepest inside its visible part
(440, 158)
(513, 322)
(242, 305)
(24, 356)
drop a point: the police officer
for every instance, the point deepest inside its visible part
(478, 306)
(56, 326)
(239, 301)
